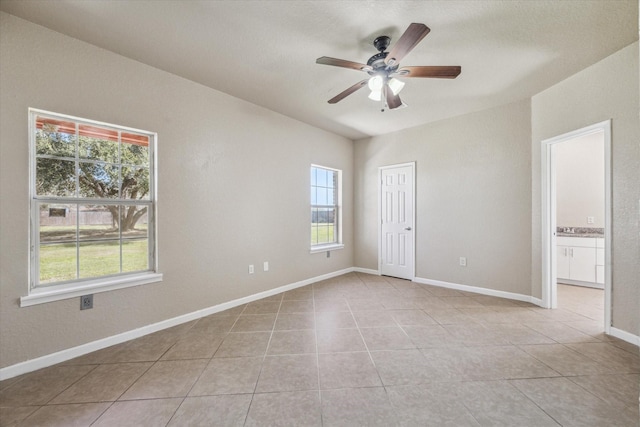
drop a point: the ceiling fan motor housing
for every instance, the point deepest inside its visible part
(382, 43)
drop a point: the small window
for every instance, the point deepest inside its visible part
(325, 208)
(92, 203)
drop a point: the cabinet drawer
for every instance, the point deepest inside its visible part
(581, 242)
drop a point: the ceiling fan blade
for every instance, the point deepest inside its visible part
(439, 72)
(393, 101)
(325, 60)
(411, 37)
(339, 97)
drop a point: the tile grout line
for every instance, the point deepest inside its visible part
(264, 357)
(206, 365)
(315, 333)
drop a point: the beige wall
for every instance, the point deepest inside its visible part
(473, 197)
(233, 189)
(606, 90)
(221, 160)
(580, 181)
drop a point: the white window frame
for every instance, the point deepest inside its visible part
(38, 294)
(324, 247)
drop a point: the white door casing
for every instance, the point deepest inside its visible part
(397, 221)
(548, 187)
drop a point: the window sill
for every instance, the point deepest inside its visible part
(326, 248)
(57, 293)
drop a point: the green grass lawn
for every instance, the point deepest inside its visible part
(58, 261)
(322, 233)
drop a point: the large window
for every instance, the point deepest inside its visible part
(92, 204)
(325, 208)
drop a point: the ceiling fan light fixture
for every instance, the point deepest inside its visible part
(395, 85)
(375, 83)
(375, 95)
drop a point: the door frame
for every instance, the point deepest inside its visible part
(548, 175)
(413, 213)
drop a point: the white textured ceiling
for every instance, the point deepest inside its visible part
(265, 51)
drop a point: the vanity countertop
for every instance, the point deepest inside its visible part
(599, 235)
(579, 232)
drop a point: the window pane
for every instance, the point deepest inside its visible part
(322, 196)
(134, 221)
(135, 255)
(57, 223)
(98, 144)
(98, 222)
(314, 234)
(58, 262)
(99, 258)
(55, 137)
(98, 180)
(55, 177)
(331, 197)
(331, 233)
(314, 196)
(135, 183)
(135, 235)
(313, 176)
(322, 177)
(57, 252)
(135, 149)
(331, 179)
(323, 232)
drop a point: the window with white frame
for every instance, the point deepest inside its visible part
(92, 203)
(325, 208)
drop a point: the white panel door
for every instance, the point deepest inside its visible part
(397, 243)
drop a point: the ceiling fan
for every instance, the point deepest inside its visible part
(384, 67)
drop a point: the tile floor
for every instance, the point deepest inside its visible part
(354, 350)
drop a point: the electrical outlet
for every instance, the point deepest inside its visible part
(251, 269)
(463, 261)
(590, 220)
(328, 254)
(86, 302)
(265, 266)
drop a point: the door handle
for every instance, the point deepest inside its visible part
(408, 228)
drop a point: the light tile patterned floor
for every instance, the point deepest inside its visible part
(354, 350)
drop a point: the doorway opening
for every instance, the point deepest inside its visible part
(576, 244)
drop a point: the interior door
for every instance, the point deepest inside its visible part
(397, 234)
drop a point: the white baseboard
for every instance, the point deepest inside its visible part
(71, 353)
(538, 302)
(478, 290)
(625, 336)
(366, 271)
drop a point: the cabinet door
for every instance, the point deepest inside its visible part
(600, 256)
(583, 264)
(562, 258)
(600, 274)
